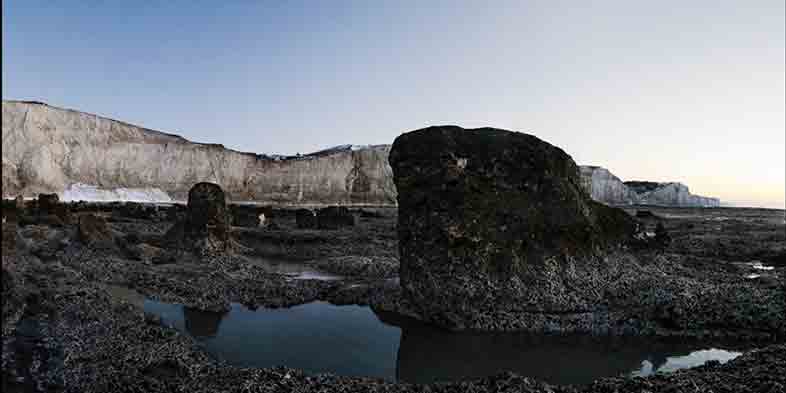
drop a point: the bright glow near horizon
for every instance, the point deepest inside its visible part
(664, 91)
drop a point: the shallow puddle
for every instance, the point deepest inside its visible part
(354, 341)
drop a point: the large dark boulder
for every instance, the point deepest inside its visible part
(206, 226)
(494, 222)
(207, 207)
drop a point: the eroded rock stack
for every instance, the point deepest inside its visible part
(495, 222)
(206, 225)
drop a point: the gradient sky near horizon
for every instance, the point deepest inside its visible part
(667, 91)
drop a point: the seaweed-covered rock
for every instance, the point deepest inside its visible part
(205, 228)
(493, 221)
(93, 231)
(207, 208)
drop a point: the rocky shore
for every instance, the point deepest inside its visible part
(65, 329)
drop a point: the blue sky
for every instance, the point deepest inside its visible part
(670, 91)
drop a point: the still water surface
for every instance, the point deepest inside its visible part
(354, 341)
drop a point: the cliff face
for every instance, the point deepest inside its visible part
(48, 149)
(607, 188)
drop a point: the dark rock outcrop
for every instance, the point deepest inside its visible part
(497, 233)
(46, 210)
(94, 232)
(206, 226)
(305, 219)
(497, 221)
(207, 209)
(47, 203)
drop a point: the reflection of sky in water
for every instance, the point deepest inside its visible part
(694, 359)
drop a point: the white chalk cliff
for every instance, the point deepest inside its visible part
(604, 187)
(84, 156)
(49, 149)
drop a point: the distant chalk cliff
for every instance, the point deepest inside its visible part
(607, 188)
(81, 155)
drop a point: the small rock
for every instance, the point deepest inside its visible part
(47, 203)
(93, 231)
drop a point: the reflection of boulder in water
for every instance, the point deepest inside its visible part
(428, 354)
(202, 323)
